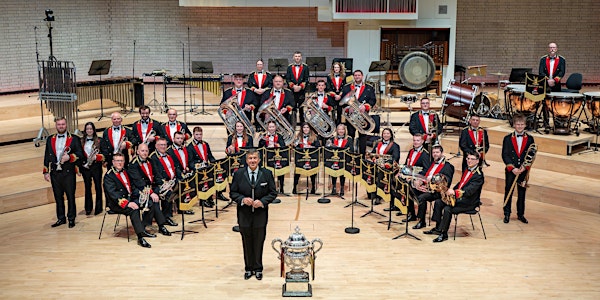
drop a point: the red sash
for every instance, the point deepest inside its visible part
(344, 142)
(110, 138)
(516, 145)
(261, 82)
(439, 168)
(147, 172)
(127, 184)
(389, 146)
(465, 178)
(362, 88)
(139, 129)
(409, 160)
(298, 72)
(204, 157)
(168, 129)
(184, 165)
(170, 172)
(479, 140)
(551, 72)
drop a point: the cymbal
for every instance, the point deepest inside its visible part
(162, 71)
(499, 74)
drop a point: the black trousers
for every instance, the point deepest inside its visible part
(94, 173)
(510, 177)
(410, 209)
(442, 214)
(342, 182)
(134, 215)
(167, 207)
(362, 138)
(313, 178)
(153, 214)
(63, 183)
(253, 240)
(299, 100)
(423, 199)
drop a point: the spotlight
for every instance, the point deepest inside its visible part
(49, 16)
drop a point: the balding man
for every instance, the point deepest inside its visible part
(170, 127)
(553, 66)
(116, 139)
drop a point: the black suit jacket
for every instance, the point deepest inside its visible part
(194, 153)
(106, 145)
(423, 160)
(392, 149)
(136, 128)
(178, 163)
(139, 177)
(348, 144)
(559, 72)
(447, 170)
(50, 155)
(469, 195)
(233, 137)
(367, 96)
(263, 142)
(416, 126)
(253, 81)
(466, 141)
(264, 191)
(160, 173)
(248, 98)
(331, 87)
(181, 127)
(302, 79)
(116, 193)
(511, 157)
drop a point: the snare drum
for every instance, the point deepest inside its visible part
(459, 100)
(592, 100)
(563, 107)
(483, 103)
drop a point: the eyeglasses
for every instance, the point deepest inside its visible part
(472, 158)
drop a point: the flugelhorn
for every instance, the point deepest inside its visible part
(268, 112)
(231, 112)
(317, 118)
(121, 141)
(166, 187)
(66, 150)
(360, 120)
(91, 157)
(150, 134)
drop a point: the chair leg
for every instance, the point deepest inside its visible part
(482, 229)
(127, 224)
(455, 222)
(430, 212)
(117, 222)
(102, 226)
(471, 217)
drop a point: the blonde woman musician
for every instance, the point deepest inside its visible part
(239, 139)
(386, 146)
(306, 138)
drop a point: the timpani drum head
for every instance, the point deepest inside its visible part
(416, 70)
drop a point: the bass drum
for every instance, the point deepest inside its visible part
(483, 103)
(416, 70)
(459, 101)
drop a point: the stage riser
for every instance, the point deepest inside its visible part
(33, 198)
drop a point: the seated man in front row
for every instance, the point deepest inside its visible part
(122, 196)
(467, 193)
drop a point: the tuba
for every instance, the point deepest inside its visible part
(360, 120)
(440, 184)
(231, 112)
(317, 118)
(268, 112)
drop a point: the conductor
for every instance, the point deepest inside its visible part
(253, 188)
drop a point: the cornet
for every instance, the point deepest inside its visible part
(150, 134)
(91, 157)
(118, 147)
(66, 150)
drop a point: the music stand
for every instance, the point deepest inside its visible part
(202, 67)
(275, 64)
(100, 67)
(379, 66)
(317, 64)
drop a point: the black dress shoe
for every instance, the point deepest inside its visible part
(341, 193)
(164, 231)
(71, 223)
(333, 191)
(211, 203)
(142, 242)
(259, 275)
(87, 213)
(312, 191)
(409, 218)
(522, 219)
(187, 212)
(432, 231)
(247, 275)
(221, 197)
(236, 228)
(294, 191)
(97, 212)
(170, 222)
(394, 208)
(147, 234)
(420, 225)
(506, 218)
(59, 222)
(442, 237)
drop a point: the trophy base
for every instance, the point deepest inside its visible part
(293, 288)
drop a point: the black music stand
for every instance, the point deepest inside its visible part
(100, 67)
(202, 67)
(406, 233)
(316, 64)
(276, 64)
(352, 229)
(380, 66)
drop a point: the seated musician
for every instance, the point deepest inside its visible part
(417, 157)
(200, 157)
(172, 125)
(244, 96)
(467, 193)
(165, 170)
(427, 123)
(239, 139)
(122, 195)
(142, 129)
(283, 98)
(386, 146)
(335, 81)
(306, 138)
(272, 139)
(182, 158)
(438, 165)
(92, 168)
(343, 141)
(141, 174)
(473, 139)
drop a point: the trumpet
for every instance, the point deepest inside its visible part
(144, 198)
(231, 112)
(360, 120)
(317, 118)
(150, 134)
(66, 150)
(268, 112)
(91, 157)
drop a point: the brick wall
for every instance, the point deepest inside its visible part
(516, 33)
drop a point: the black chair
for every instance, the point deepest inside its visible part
(475, 211)
(108, 211)
(574, 83)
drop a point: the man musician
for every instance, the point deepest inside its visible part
(182, 158)
(60, 166)
(427, 123)
(365, 97)
(259, 82)
(164, 169)
(467, 193)
(244, 96)
(116, 139)
(473, 139)
(553, 66)
(122, 195)
(417, 157)
(438, 165)
(201, 156)
(143, 127)
(297, 77)
(283, 98)
(172, 125)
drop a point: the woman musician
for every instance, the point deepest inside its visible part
(272, 139)
(238, 139)
(91, 168)
(306, 138)
(342, 141)
(335, 81)
(386, 146)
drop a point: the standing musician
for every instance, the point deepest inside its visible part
(297, 77)
(143, 127)
(306, 138)
(438, 165)
(60, 166)
(121, 196)
(365, 96)
(142, 176)
(553, 66)
(514, 150)
(324, 101)
(91, 168)
(239, 139)
(335, 82)
(201, 155)
(259, 82)
(272, 139)
(342, 141)
(427, 123)
(467, 193)
(283, 98)
(253, 188)
(245, 97)
(473, 139)
(116, 139)
(417, 157)
(182, 159)
(164, 169)
(170, 127)
(386, 146)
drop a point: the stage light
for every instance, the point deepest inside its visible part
(49, 16)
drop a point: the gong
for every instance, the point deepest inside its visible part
(416, 70)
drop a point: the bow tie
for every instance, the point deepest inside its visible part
(142, 161)
(240, 135)
(552, 58)
(297, 65)
(117, 128)
(89, 140)
(276, 91)
(337, 75)
(238, 90)
(259, 72)
(305, 136)
(320, 95)
(519, 135)
(385, 143)
(177, 148)
(271, 135)
(163, 155)
(60, 136)
(198, 142)
(119, 171)
(357, 86)
(425, 113)
(340, 137)
(144, 122)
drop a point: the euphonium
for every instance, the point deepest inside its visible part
(150, 134)
(231, 112)
(268, 112)
(92, 157)
(317, 118)
(440, 184)
(360, 120)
